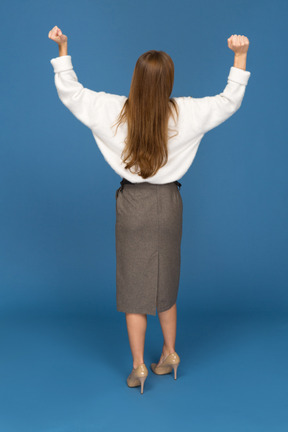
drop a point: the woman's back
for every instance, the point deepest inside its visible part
(196, 116)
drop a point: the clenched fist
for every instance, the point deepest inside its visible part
(56, 35)
(238, 43)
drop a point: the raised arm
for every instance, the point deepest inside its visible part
(85, 104)
(222, 106)
(208, 112)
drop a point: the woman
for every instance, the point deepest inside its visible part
(150, 140)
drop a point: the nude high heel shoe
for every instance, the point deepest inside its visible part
(166, 364)
(138, 376)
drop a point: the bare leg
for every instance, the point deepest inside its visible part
(136, 327)
(168, 321)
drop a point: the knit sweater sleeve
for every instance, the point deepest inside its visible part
(85, 104)
(204, 114)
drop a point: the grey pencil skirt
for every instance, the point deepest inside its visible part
(148, 234)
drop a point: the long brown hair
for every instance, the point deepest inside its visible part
(147, 112)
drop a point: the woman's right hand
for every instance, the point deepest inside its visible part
(56, 35)
(238, 43)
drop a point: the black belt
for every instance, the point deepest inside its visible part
(125, 181)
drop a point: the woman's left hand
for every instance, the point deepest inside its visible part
(56, 35)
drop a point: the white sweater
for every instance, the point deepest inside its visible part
(99, 111)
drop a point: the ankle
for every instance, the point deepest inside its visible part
(168, 350)
(137, 363)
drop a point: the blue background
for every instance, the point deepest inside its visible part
(65, 353)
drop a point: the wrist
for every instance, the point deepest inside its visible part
(63, 49)
(240, 60)
(240, 54)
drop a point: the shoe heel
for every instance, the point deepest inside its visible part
(142, 381)
(175, 366)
